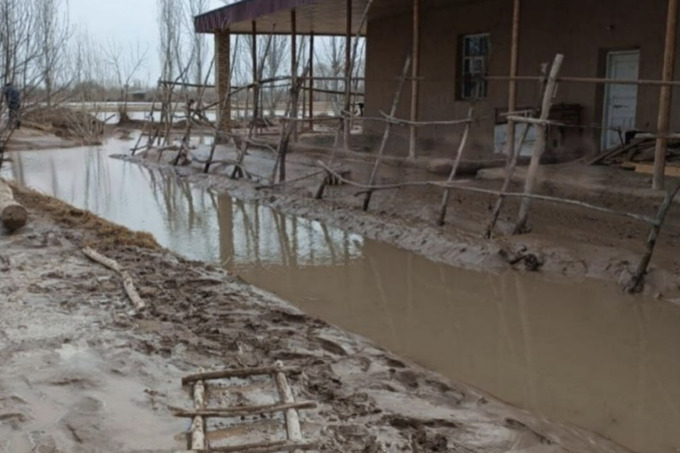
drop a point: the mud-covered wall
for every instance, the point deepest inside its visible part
(583, 30)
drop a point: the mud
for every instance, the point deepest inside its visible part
(81, 373)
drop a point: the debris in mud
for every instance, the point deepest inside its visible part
(532, 263)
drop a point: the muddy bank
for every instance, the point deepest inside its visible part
(82, 373)
(568, 241)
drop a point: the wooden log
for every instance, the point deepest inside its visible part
(235, 373)
(14, 215)
(266, 447)
(128, 283)
(539, 146)
(292, 419)
(637, 282)
(198, 424)
(244, 411)
(447, 192)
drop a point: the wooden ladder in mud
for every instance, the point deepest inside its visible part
(287, 404)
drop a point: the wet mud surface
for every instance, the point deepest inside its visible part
(82, 373)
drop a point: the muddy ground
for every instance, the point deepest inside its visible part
(568, 241)
(82, 372)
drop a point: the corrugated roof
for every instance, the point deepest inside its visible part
(323, 17)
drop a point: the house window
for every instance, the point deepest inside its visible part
(475, 52)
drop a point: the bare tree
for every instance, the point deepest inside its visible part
(52, 31)
(199, 44)
(124, 63)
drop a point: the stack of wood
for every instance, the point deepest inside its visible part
(638, 155)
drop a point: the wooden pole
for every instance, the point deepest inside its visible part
(292, 419)
(311, 81)
(348, 75)
(293, 68)
(539, 146)
(637, 282)
(666, 95)
(256, 85)
(454, 169)
(512, 84)
(198, 425)
(415, 84)
(388, 129)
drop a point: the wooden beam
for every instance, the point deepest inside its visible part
(666, 95)
(512, 83)
(227, 374)
(256, 86)
(311, 81)
(244, 411)
(415, 82)
(348, 75)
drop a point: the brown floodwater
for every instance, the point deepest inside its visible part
(578, 352)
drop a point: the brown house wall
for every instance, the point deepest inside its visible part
(583, 30)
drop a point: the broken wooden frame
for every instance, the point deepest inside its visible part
(287, 405)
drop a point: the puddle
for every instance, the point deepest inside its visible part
(578, 352)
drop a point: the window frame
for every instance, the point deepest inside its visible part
(471, 85)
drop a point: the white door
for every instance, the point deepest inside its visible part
(620, 101)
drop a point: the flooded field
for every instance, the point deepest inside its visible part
(577, 352)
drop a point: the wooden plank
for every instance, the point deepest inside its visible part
(292, 419)
(266, 447)
(242, 411)
(244, 372)
(198, 424)
(648, 169)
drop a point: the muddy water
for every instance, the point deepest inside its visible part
(577, 352)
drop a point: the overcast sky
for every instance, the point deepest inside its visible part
(126, 21)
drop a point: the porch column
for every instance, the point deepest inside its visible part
(311, 81)
(512, 84)
(223, 79)
(665, 97)
(415, 83)
(293, 71)
(256, 78)
(348, 75)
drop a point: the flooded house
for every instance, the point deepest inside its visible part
(462, 54)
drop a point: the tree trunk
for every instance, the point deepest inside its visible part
(13, 215)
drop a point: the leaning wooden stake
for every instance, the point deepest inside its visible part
(539, 146)
(13, 215)
(388, 129)
(198, 425)
(461, 147)
(509, 171)
(128, 283)
(292, 418)
(637, 282)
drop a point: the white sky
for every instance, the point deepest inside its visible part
(124, 21)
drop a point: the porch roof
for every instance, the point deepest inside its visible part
(321, 17)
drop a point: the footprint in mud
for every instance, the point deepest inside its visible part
(14, 419)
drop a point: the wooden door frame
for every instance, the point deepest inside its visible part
(605, 57)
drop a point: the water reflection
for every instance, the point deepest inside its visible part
(579, 353)
(196, 223)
